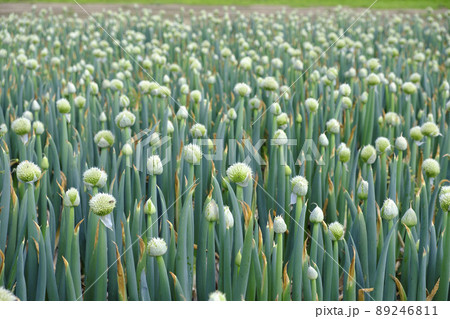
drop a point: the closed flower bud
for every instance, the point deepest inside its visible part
(430, 129)
(71, 197)
(279, 226)
(316, 215)
(154, 165)
(3, 129)
(232, 115)
(363, 190)
(336, 231)
(95, 177)
(444, 199)
(299, 185)
(102, 117)
(44, 163)
(127, 150)
(102, 204)
(389, 210)
(104, 139)
(192, 154)
(275, 109)
(21, 126)
(229, 219)
(38, 128)
(149, 207)
(212, 211)
(116, 85)
(382, 144)
(312, 273)
(409, 218)
(182, 113)
(239, 173)
(196, 96)
(368, 154)
(333, 126)
(287, 170)
(312, 105)
(156, 247)
(431, 167)
(198, 130)
(28, 172)
(124, 101)
(63, 106)
(282, 120)
(392, 119)
(323, 140)
(35, 107)
(401, 143)
(217, 296)
(344, 154)
(125, 119)
(254, 103)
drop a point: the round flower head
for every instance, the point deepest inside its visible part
(316, 215)
(431, 167)
(242, 89)
(363, 190)
(312, 273)
(116, 85)
(102, 204)
(38, 127)
(392, 119)
(389, 210)
(345, 89)
(156, 247)
(409, 218)
(333, 126)
(80, 101)
(217, 296)
(344, 153)
(95, 177)
(312, 105)
(192, 154)
(232, 115)
(269, 84)
(6, 295)
(71, 197)
(229, 219)
(279, 138)
(373, 79)
(401, 143)
(196, 96)
(125, 119)
(28, 172)
(149, 207)
(347, 102)
(212, 211)
(382, 144)
(444, 199)
(154, 165)
(21, 126)
(63, 106)
(299, 185)
(155, 140)
(336, 231)
(279, 226)
(254, 103)
(239, 173)
(323, 140)
(416, 133)
(282, 120)
(409, 88)
(198, 130)
(368, 154)
(104, 139)
(3, 129)
(430, 129)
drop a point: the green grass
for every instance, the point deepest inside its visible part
(381, 4)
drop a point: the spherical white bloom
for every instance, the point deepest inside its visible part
(345, 89)
(242, 89)
(95, 177)
(102, 204)
(198, 130)
(401, 143)
(333, 126)
(154, 165)
(312, 105)
(431, 167)
(299, 185)
(279, 138)
(125, 119)
(336, 231)
(192, 154)
(239, 173)
(156, 247)
(71, 197)
(28, 172)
